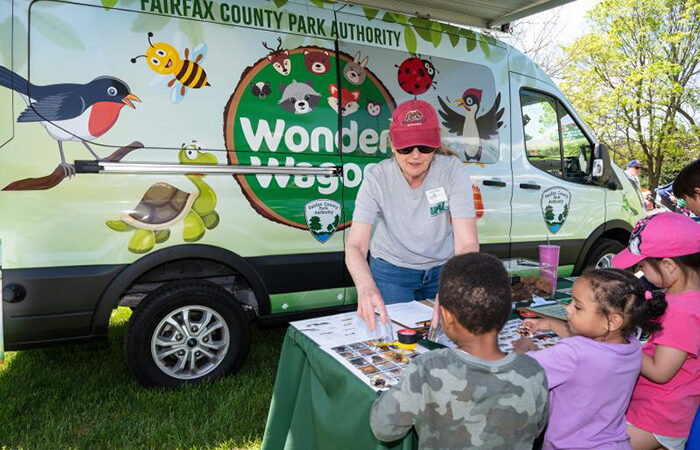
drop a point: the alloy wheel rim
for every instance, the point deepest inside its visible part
(605, 261)
(190, 342)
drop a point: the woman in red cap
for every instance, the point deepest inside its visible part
(422, 203)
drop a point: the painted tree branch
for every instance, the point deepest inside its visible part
(58, 174)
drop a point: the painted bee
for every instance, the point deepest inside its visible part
(162, 58)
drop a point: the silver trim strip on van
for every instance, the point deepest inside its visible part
(119, 167)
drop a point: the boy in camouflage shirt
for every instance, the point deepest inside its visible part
(473, 396)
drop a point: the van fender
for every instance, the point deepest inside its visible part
(609, 229)
(111, 296)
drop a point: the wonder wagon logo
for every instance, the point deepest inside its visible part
(284, 113)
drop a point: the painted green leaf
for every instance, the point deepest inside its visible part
(401, 18)
(149, 22)
(484, 46)
(57, 30)
(489, 39)
(193, 30)
(435, 33)
(422, 27)
(497, 54)
(109, 3)
(452, 33)
(409, 38)
(469, 38)
(370, 13)
(321, 3)
(389, 17)
(280, 3)
(471, 44)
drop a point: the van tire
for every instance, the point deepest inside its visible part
(601, 252)
(202, 305)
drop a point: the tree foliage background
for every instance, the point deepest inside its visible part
(634, 79)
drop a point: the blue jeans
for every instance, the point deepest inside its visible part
(399, 284)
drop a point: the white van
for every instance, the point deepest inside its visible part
(199, 161)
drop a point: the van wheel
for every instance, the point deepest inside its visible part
(601, 254)
(186, 332)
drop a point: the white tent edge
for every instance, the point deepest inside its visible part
(465, 13)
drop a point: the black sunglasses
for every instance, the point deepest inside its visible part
(421, 148)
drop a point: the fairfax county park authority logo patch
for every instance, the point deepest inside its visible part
(322, 218)
(555, 207)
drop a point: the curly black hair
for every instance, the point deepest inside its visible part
(475, 288)
(687, 180)
(620, 291)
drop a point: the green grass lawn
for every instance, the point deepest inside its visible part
(84, 397)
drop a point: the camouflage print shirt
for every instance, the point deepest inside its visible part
(457, 401)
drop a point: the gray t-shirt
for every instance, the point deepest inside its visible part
(457, 401)
(412, 230)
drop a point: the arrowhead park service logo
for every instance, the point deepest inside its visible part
(555, 207)
(322, 218)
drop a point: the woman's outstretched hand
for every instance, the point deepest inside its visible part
(369, 299)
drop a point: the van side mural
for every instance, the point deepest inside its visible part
(71, 111)
(373, 108)
(472, 129)
(261, 89)
(348, 102)
(279, 58)
(317, 62)
(163, 205)
(416, 75)
(299, 98)
(163, 59)
(478, 201)
(278, 132)
(354, 71)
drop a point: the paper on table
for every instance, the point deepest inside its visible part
(557, 311)
(409, 314)
(341, 329)
(367, 362)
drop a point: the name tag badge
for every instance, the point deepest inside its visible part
(437, 201)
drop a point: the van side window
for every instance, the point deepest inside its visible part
(554, 142)
(577, 148)
(542, 143)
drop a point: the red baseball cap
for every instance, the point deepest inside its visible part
(664, 235)
(414, 122)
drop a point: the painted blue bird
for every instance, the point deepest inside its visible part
(71, 111)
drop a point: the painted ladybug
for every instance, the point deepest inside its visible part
(416, 75)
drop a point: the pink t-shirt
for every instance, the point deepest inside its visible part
(668, 409)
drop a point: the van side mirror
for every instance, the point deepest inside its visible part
(597, 170)
(602, 172)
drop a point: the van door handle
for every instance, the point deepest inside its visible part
(493, 183)
(532, 186)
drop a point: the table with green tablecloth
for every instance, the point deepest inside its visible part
(317, 403)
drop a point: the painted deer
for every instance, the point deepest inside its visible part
(279, 58)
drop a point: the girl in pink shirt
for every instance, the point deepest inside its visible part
(666, 247)
(591, 373)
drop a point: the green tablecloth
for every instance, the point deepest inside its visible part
(319, 404)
